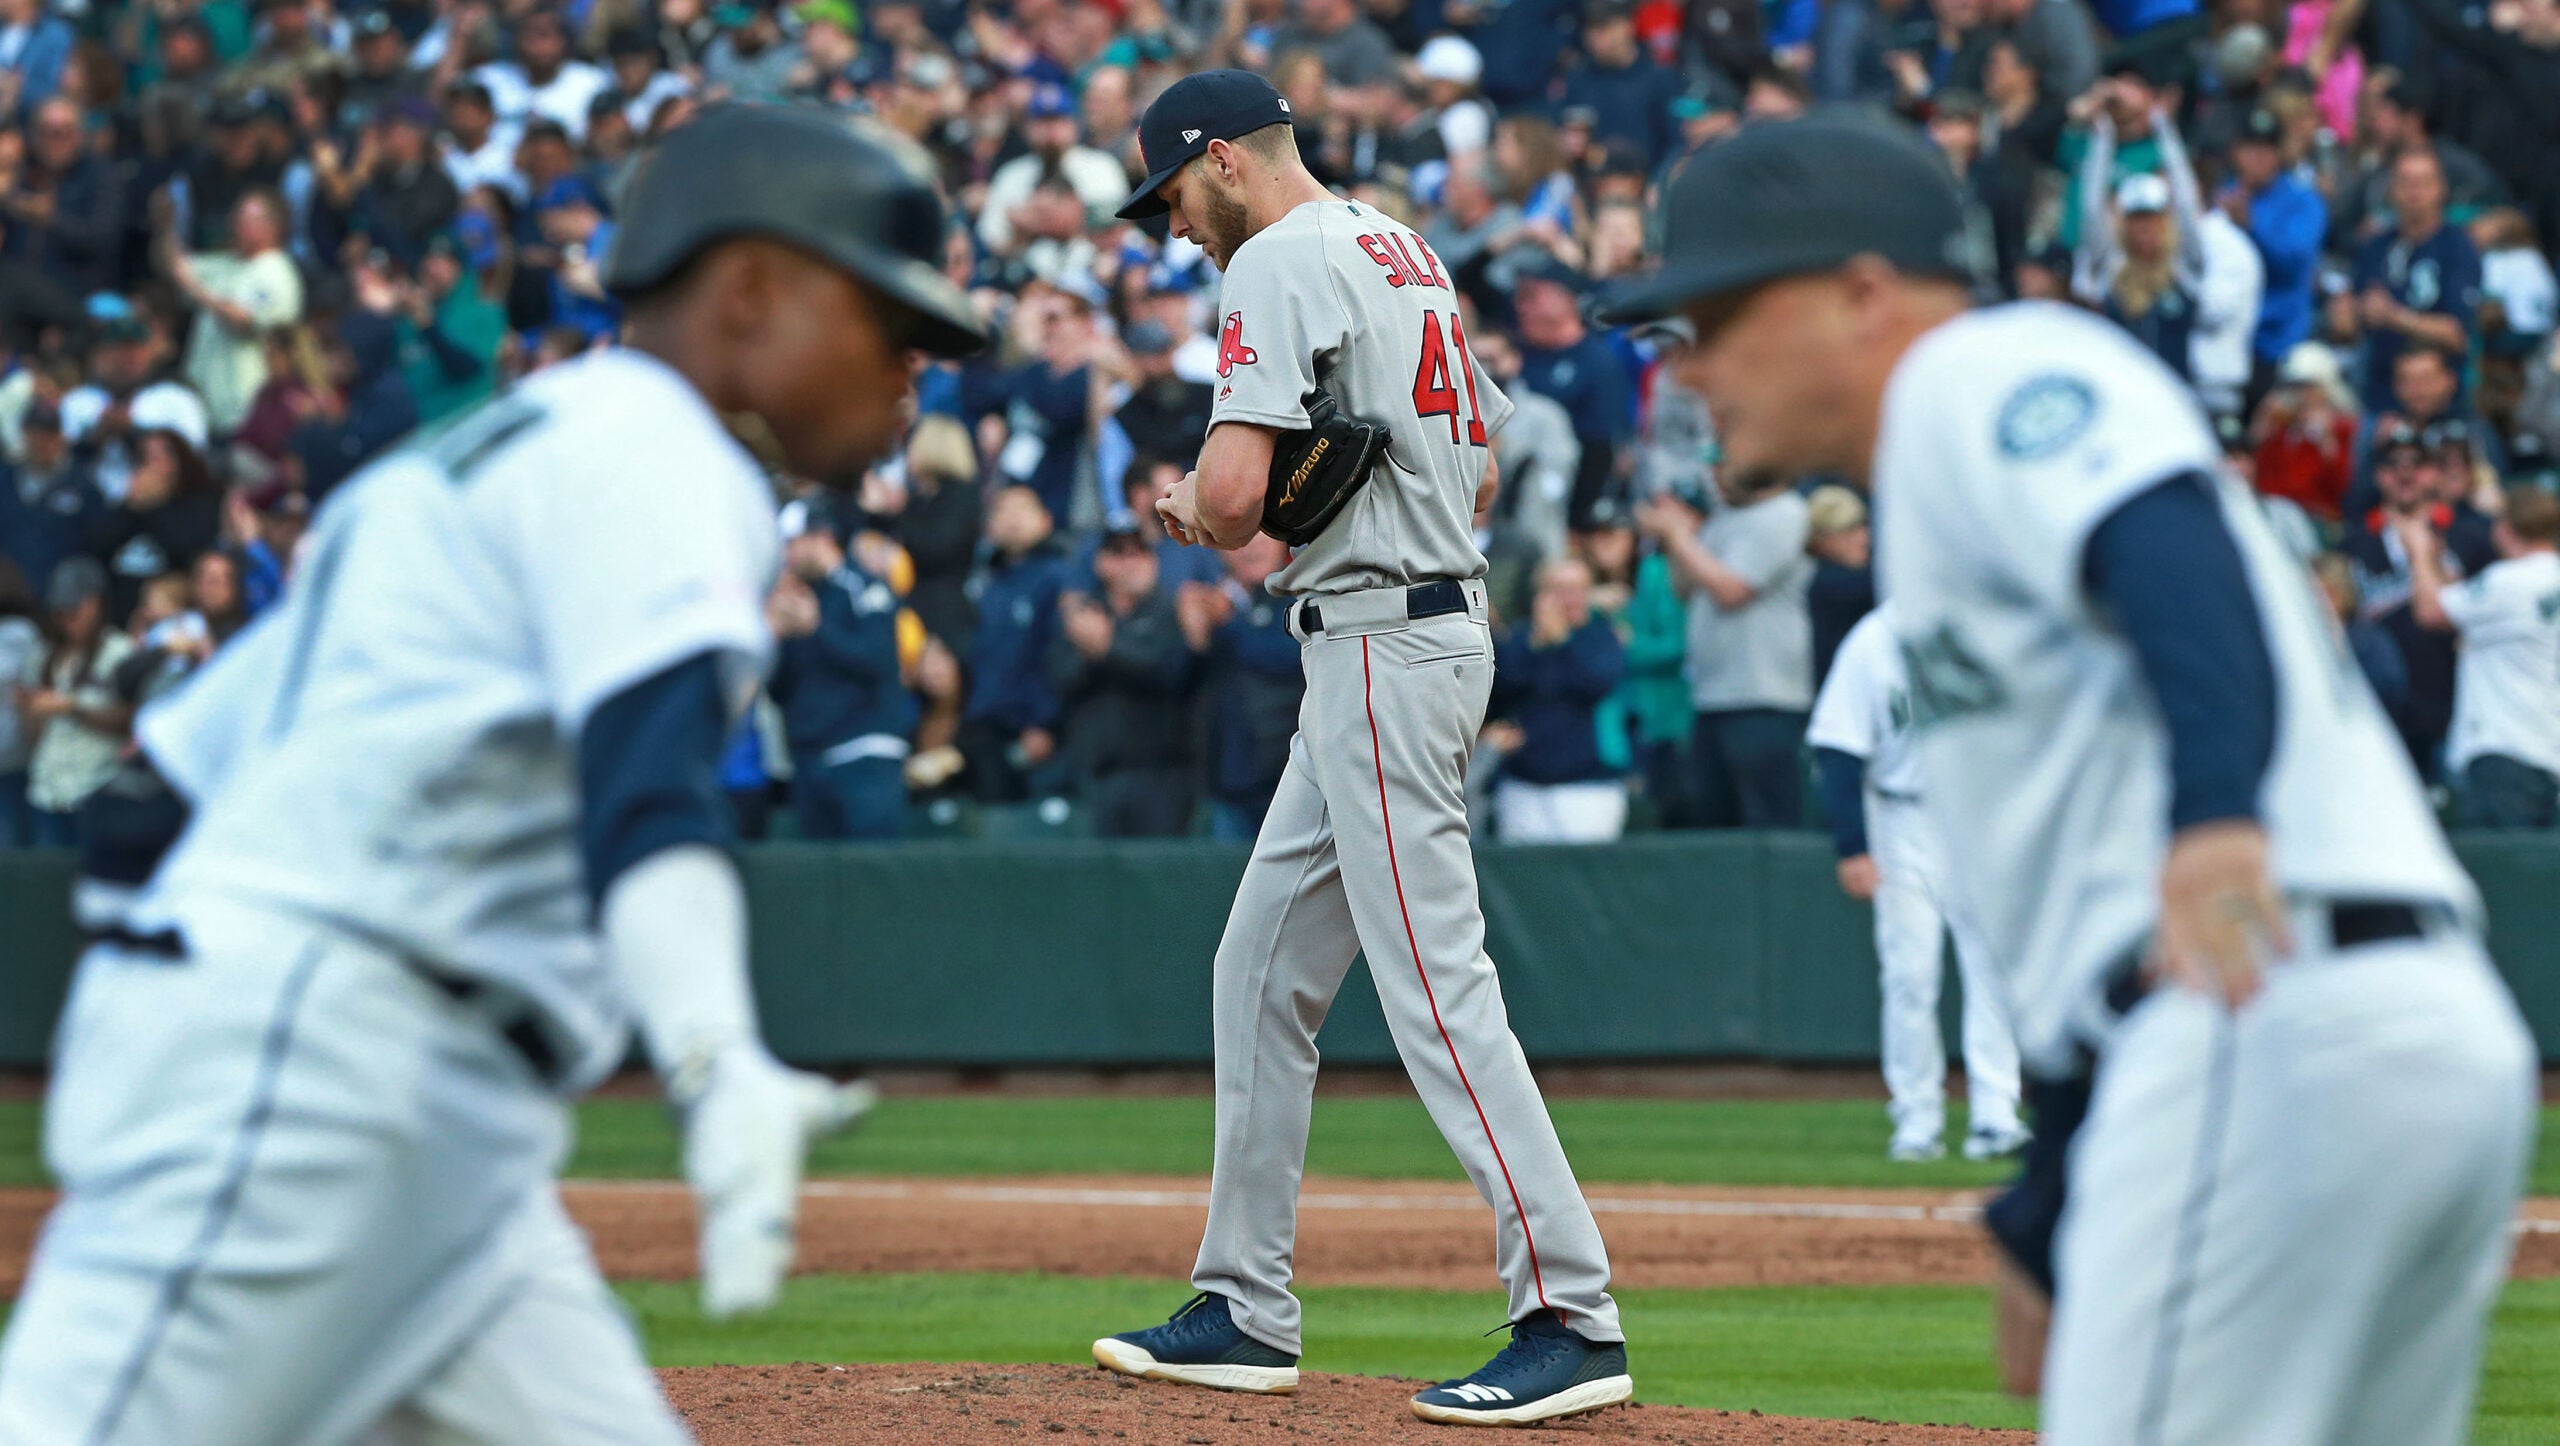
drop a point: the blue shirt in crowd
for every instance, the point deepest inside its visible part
(842, 681)
(1588, 380)
(2440, 274)
(1008, 657)
(1554, 694)
(2287, 221)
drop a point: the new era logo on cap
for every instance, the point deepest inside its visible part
(1189, 136)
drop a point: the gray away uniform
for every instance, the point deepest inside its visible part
(1365, 847)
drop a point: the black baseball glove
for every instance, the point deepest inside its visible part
(1314, 472)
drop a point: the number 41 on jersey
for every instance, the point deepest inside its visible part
(1434, 393)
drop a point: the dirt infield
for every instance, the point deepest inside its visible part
(981, 1405)
(1413, 1234)
(1426, 1235)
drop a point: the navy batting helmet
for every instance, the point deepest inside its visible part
(804, 176)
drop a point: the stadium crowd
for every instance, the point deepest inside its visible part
(246, 245)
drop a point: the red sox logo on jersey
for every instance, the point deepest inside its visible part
(1232, 352)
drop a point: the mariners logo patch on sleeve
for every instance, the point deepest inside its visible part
(2044, 415)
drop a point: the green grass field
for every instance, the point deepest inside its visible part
(1808, 1143)
(1915, 1353)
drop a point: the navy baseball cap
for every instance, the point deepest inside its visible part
(1794, 197)
(1214, 105)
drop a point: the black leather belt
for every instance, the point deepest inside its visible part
(1432, 599)
(2353, 923)
(523, 1034)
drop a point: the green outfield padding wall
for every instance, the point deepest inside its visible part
(1088, 954)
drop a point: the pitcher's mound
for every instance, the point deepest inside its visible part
(807, 1405)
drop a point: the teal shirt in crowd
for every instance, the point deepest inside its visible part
(1652, 705)
(2133, 158)
(475, 325)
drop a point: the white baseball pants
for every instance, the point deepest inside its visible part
(2286, 1227)
(1912, 925)
(307, 1201)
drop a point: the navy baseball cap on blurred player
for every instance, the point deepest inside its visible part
(1215, 105)
(1792, 197)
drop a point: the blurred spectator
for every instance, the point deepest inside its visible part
(22, 649)
(68, 211)
(1843, 588)
(1561, 359)
(2137, 262)
(2376, 652)
(2503, 754)
(1955, 128)
(1163, 415)
(1644, 725)
(479, 150)
(2305, 433)
(2286, 218)
(1536, 451)
(1045, 401)
(1006, 730)
(2408, 484)
(2131, 103)
(1356, 53)
(1452, 111)
(545, 79)
(2519, 296)
(1550, 678)
(1746, 572)
(1253, 681)
(35, 52)
(1124, 676)
(1520, 40)
(1629, 95)
(237, 294)
(838, 679)
(1011, 215)
(2056, 39)
(2396, 126)
(52, 505)
(366, 408)
(939, 519)
(2419, 283)
(1851, 44)
(451, 329)
(130, 391)
(213, 585)
(171, 515)
(402, 198)
(78, 726)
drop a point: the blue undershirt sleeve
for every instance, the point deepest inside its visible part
(649, 771)
(2164, 564)
(1842, 778)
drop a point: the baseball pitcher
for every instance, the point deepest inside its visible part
(1338, 324)
(457, 823)
(2198, 853)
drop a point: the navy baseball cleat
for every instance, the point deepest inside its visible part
(1201, 1346)
(1546, 1373)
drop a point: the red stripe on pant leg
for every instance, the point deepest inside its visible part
(1377, 753)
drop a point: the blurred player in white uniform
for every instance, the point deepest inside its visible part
(457, 827)
(2187, 832)
(1871, 796)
